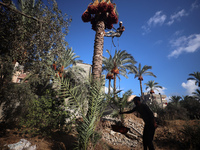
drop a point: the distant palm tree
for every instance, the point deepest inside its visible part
(122, 61)
(140, 72)
(68, 59)
(196, 77)
(152, 85)
(107, 66)
(175, 100)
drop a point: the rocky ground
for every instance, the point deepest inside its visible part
(167, 137)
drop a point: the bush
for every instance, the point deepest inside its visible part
(15, 99)
(192, 106)
(173, 112)
(191, 136)
(45, 113)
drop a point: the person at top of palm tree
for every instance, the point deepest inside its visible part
(118, 32)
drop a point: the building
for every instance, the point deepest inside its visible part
(160, 99)
(19, 73)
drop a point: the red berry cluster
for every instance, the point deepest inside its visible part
(110, 76)
(101, 11)
(59, 70)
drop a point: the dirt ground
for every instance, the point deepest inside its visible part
(166, 137)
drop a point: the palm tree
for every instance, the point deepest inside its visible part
(102, 15)
(107, 66)
(140, 72)
(121, 62)
(152, 85)
(197, 94)
(175, 100)
(196, 77)
(65, 61)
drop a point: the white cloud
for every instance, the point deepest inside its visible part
(158, 42)
(189, 86)
(178, 33)
(177, 16)
(106, 90)
(195, 5)
(170, 22)
(188, 44)
(158, 19)
(161, 91)
(168, 98)
(146, 30)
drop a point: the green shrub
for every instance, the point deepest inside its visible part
(173, 112)
(45, 113)
(15, 100)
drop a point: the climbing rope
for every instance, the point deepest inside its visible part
(113, 42)
(118, 42)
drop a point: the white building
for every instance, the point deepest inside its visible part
(159, 98)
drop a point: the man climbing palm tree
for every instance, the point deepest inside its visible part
(118, 32)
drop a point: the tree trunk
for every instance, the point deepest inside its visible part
(142, 95)
(114, 84)
(98, 50)
(97, 57)
(109, 86)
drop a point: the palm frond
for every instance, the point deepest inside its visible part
(152, 85)
(196, 77)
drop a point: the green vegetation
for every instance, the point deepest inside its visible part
(45, 113)
(119, 64)
(55, 95)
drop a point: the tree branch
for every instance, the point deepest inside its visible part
(19, 12)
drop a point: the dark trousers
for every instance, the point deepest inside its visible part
(148, 135)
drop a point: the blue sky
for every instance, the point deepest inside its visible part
(159, 33)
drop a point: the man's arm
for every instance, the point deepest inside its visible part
(128, 112)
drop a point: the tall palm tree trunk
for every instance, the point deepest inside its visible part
(142, 95)
(109, 86)
(97, 57)
(98, 50)
(115, 75)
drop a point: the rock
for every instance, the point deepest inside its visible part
(131, 139)
(23, 144)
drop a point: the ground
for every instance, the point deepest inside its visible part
(167, 137)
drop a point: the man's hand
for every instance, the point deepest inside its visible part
(155, 124)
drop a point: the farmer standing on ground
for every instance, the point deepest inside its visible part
(149, 120)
